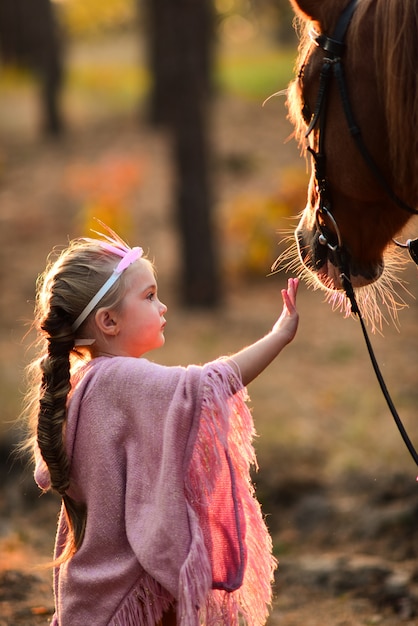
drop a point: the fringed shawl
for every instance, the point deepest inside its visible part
(162, 457)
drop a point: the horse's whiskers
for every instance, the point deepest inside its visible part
(379, 302)
(288, 260)
(385, 293)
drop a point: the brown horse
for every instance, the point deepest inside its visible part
(379, 60)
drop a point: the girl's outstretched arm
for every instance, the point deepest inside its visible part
(253, 359)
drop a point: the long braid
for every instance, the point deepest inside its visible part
(63, 290)
(52, 416)
(56, 386)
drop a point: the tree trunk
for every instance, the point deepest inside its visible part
(30, 37)
(180, 47)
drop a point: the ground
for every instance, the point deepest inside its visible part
(337, 485)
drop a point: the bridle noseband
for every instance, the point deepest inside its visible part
(326, 225)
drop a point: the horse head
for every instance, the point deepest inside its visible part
(364, 211)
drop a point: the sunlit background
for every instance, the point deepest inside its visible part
(324, 429)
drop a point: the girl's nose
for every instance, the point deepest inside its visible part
(163, 308)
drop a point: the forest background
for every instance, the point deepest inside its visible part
(337, 485)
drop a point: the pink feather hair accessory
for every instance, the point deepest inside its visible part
(128, 255)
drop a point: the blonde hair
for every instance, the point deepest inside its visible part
(63, 291)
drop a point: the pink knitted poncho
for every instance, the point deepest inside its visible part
(161, 455)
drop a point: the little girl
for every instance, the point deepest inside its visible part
(159, 523)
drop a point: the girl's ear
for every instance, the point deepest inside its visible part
(106, 321)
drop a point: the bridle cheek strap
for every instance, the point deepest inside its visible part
(332, 65)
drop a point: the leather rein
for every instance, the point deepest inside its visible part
(329, 233)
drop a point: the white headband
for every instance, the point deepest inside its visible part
(129, 255)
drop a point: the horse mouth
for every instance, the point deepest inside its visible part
(379, 288)
(324, 264)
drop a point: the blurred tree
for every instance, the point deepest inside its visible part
(89, 18)
(165, 27)
(30, 37)
(180, 45)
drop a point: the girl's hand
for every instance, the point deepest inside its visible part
(253, 359)
(287, 323)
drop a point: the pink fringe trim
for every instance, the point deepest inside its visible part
(195, 577)
(226, 425)
(144, 606)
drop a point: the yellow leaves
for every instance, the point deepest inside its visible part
(90, 17)
(252, 224)
(250, 231)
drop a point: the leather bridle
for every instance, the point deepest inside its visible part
(329, 233)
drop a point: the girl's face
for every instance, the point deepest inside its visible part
(140, 319)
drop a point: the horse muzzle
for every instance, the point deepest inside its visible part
(323, 253)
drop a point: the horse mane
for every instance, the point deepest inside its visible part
(396, 52)
(396, 23)
(303, 27)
